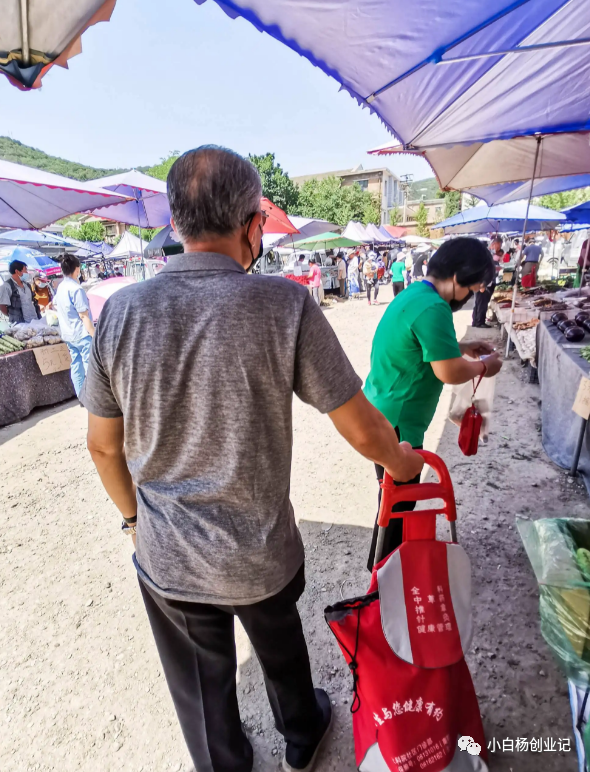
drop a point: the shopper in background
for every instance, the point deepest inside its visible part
(371, 280)
(342, 274)
(532, 255)
(75, 320)
(353, 274)
(397, 271)
(42, 292)
(314, 279)
(17, 300)
(482, 299)
(415, 350)
(409, 263)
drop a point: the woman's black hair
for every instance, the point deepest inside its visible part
(469, 260)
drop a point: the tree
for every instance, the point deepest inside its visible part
(160, 171)
(564, 199)
(147, 234)
(328, 199)
(276, 183)
(422, 220)
(394, 216)
(87, 231)
(452, 203)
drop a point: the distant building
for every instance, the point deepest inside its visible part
(112, 227)
(384, 183)
(434, 206)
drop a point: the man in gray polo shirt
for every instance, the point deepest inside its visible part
(189, 391)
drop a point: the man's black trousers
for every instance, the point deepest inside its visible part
(480, 309)
(197, 648)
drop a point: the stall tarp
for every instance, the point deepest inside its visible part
(517, 191)
(23, 388)
(356, 232)
(325, 241)
(579, 214)
(129, 246)
(375, 234)
(560, 371)
(53, 36)
(36, 239)
(502, 217)
(444, 72)
(476, 166)
(148, 206)
(33, 198)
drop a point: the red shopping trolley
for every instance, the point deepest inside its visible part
(405, 641)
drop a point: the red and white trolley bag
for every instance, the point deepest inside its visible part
(405, 641)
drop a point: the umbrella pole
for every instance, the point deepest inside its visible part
(526, 222)
(140, 241)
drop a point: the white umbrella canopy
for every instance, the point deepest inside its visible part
(128, 246)
(375, 234)
(37, 34)
(414, 240)
(32, 198)
(475, 165)
(149, 209)
(356, 231)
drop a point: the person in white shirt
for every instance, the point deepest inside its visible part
(75, 320)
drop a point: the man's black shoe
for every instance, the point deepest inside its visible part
(302, 758)
(487, 326)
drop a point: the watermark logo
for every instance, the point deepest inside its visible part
(468, 744)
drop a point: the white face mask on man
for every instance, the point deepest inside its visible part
(25, 277)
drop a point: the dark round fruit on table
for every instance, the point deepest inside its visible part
(586, 325)
(565, 323)
(574, 334)
(581, 317)
(558, 316)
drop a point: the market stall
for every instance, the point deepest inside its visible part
(34, 371)
(561, 370)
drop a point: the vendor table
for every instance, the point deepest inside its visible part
(560, 371)
(22, 387)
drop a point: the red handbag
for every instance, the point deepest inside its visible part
(470, 427)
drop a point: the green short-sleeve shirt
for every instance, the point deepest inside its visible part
(416, 329)
(398, 270)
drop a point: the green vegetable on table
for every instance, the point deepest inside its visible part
(585, 353)
(583, 561)
(8, 344)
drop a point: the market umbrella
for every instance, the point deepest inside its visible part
(477, 166)
(36, 239)
(164, 239)
(32, 258)
(415, 240)
(326, 241)
(36, 35)
(375, 235)
(504, 218)
(439, 72)
(32, 198)
(578, 214)
(395, 231)
(277, 220)
(356, 231)
(101, 292)
(129, 246)
(149, 205)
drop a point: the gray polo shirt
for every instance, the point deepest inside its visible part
(202, 362)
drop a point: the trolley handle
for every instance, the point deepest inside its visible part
(443, 489)
(420, 524)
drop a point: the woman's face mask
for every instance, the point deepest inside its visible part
(457, 305)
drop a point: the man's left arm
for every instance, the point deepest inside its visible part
(476, 348)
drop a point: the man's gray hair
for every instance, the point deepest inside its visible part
(212, 191)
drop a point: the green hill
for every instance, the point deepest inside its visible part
(12, 150)
(427, 188)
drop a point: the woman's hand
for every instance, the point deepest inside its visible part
(476, 348)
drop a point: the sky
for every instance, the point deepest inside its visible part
(161, 77)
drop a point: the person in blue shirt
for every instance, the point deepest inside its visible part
(75, 320)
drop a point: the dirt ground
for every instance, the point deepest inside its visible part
(81, 685)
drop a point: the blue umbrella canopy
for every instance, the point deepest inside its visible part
(504, 218)
(32, 258)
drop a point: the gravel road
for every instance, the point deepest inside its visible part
(81, 685)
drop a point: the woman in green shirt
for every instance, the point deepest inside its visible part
(397, 274)
(415, 350)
